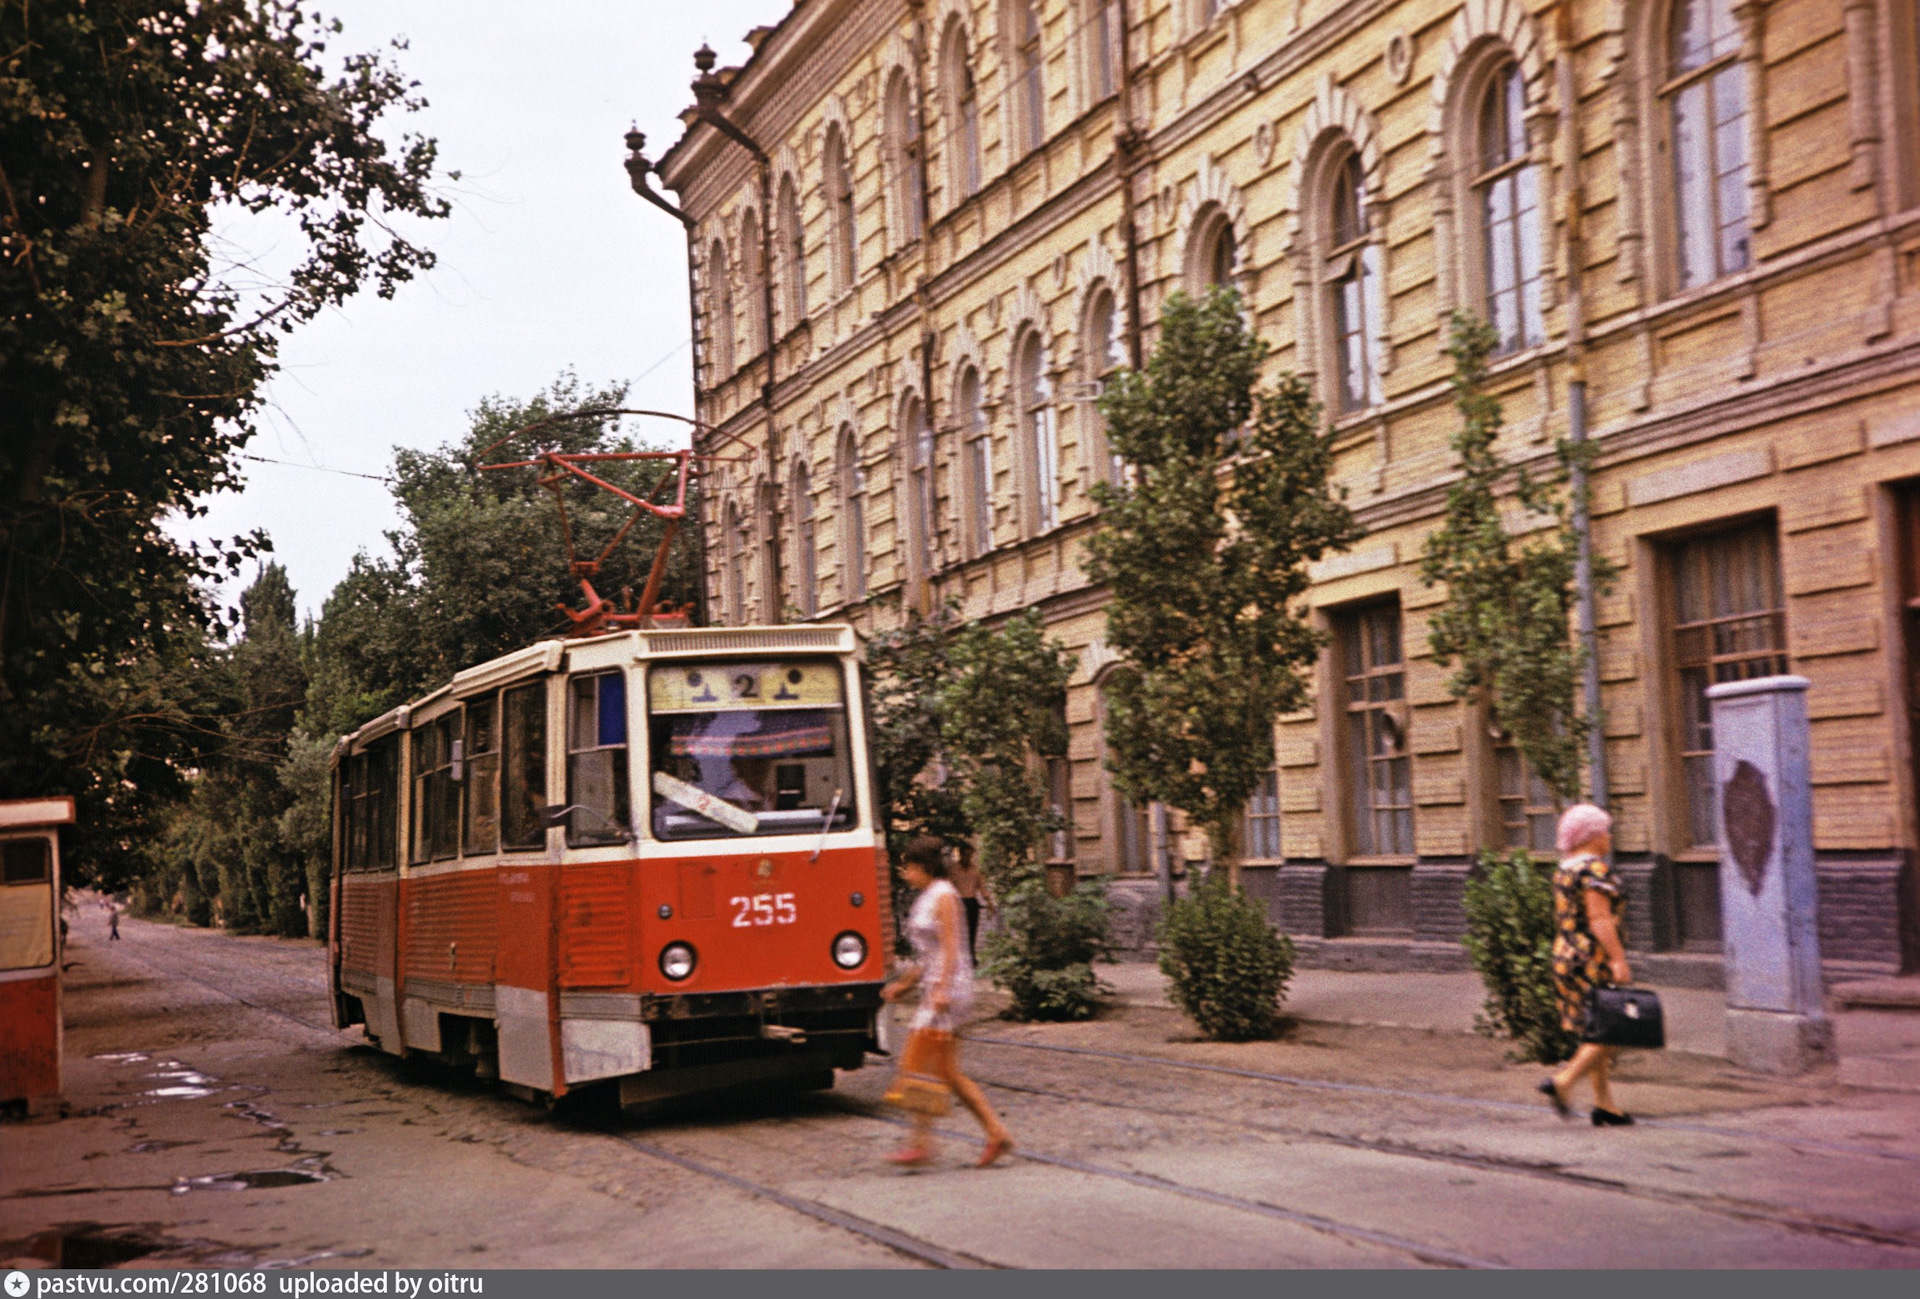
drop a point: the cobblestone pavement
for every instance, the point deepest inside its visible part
(216, 1119)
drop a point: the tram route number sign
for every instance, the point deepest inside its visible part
(696, 799)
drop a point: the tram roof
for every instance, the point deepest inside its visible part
(654, 643)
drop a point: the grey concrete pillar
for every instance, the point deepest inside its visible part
(1776, 1020)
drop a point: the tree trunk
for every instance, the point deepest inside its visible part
(1223, 842)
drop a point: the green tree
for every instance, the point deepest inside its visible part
(1507, 621)
(132, 355)
(1204, 550)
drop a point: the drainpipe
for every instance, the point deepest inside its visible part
(1577, 402)
(1129, 149)
(709, 93)
(638, 170)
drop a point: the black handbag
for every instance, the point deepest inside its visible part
(1625, 1017)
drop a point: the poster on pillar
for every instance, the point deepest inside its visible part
(1768, 893)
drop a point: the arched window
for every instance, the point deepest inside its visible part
(1705, 89)
(733, 544)
(1130, 850)
(976, 455)
(756, 276)
(806, 576)
(853, 519)
(1029, 73)
(963, 114)
(1033, 400)
(793, 240)
(843, 242)
(767, 503)
(1102, 31)
(918, 435)
(1350, 278)
(903, 157)
(1506, 192)
(1216, 252)
(720, 313)
(1100, 353)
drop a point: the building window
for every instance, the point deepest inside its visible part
(844, 242)
(920, 505)
(1060, 795)
(977, 466)
(1034, 399)
(1348, 269)
(1100, 350)
(1705, 89)
(807, 579)
(597, 791)
(793, 236)
(1507, 196)
(482, 760)
(1030, 87)
(734, 594)
(1729, 624)
(1103, 26)
(1529, 812)
(1216, 253)
(523, 776)
(1378, 767)
(1132, 851)
(720, 295)
(768, 501)
(1262, 831)
(853, 519)
(436, 795)
(903, 156)
(963, 115)
(750, 251)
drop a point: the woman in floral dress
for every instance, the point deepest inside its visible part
(1587, 954)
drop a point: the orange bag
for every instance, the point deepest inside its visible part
(925, 1062)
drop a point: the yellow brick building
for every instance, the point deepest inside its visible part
(1710, 209)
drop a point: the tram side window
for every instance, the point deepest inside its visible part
(370, 789)
(482, 832)
(436, 798)
(523, 777)
(597, 799)
(749, 749)
(26, 903)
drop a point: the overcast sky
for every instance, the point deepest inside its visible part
(549, 260)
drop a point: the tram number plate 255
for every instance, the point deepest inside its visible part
(763, 909)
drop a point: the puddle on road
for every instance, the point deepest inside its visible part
(122, 1057)
(180, 1083)
(180, 1093)
(148, 1147)
(265, 1179)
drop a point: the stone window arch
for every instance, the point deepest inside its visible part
(792, 232)
(843, 239)
(962, 112)
(720, 310)
(1213, 252)
(1039, 449)
(853, 518)
(976, 461)
(906, 183)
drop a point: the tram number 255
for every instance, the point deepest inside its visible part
(763, 909)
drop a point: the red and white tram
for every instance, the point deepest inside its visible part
(647, 858)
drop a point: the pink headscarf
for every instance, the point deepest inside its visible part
(1580, 823)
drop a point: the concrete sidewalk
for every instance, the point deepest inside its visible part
(1879, 1049)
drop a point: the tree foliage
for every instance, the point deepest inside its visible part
(1205, 549)
(1226, 965)
(1507, 621)
(132, 356)
(1509, 909)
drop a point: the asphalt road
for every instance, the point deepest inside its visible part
(217, 1120)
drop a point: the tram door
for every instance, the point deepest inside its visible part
(30, 1023)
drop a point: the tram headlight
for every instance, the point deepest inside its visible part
(677, 961)
(849, 951)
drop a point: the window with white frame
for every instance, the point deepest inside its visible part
(1506, 190)
(793, 239)
(1100, 350)
(962, 113)
(1704, 92)
(976, 455)
(903, 156)
(843, 260)
(1261, 828)
(1033, 399)
(1349, 275)
(853, 519)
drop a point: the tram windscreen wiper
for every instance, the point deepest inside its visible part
(826, 826)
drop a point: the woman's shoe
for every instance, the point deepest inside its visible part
(996, 1147)
(1551, 1091)
(910, 1156)
(1608, 1119)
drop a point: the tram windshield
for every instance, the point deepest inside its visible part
(742, 749)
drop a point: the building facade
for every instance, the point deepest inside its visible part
(1708, 210)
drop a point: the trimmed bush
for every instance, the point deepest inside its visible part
(1229, 967)
(1509, 905)
(1044, 952)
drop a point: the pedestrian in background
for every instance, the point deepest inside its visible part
(973, 891)
(1588, 954)
(113, 921)
(943, 971)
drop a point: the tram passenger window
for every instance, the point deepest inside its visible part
(597, 759)
(482, 831)
(523, 777)
(436, 798)
(26, 903)
(749, 749)
(370, 790)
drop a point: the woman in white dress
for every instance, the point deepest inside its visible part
(943, 972)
